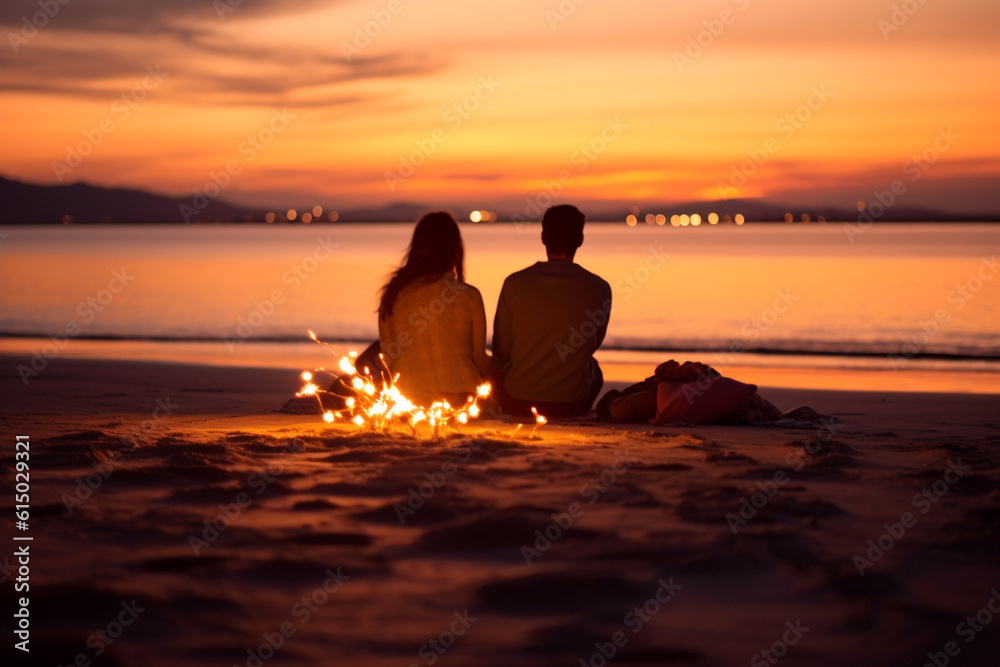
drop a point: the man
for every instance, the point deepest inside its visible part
(550, 319)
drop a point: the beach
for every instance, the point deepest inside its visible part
(176, 517)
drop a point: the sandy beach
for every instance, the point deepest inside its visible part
(177, 518)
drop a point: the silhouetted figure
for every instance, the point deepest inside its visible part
(431, 323)
(550, 319)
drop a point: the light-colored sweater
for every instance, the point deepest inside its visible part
(436, 340)
(550, 319)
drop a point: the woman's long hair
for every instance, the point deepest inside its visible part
(436, 249)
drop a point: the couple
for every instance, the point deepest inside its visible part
(550, 319)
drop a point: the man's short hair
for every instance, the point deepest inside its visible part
(562, 229)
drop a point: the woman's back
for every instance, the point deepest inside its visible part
(435, 340)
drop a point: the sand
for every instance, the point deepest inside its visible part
(177, 518)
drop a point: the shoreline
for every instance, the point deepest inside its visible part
(846, 373)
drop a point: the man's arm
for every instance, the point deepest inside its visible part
(606, 307)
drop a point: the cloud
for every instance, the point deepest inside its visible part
(208, 63)
(128, 16)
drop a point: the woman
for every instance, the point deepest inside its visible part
(432, 325)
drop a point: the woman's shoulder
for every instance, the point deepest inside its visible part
(461, 287)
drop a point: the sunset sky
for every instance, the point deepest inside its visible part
(631, 101)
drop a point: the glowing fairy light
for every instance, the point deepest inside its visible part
(539, 421)
(379, 404)
(347, 366)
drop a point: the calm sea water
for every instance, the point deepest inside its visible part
(904, 297)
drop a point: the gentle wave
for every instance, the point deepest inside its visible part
(721, 349)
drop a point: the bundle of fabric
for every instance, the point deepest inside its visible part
(687, 393)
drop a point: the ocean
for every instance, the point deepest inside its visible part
(910, 307)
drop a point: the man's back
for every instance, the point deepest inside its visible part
(550, 319)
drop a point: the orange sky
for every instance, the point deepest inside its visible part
(612, 98)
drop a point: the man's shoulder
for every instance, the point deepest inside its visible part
(592, 277)
(527, 274)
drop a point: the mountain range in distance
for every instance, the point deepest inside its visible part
(80, 203)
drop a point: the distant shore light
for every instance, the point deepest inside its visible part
(634, 210)
(333, 216)
(789, 217)
(661, 219)
(307, 217)
(805, 217)
(291, 215)
(317, 211)
(269, 217)
(675, 220)
(685, 220)
(740, 219)
(631, 220)
(476, 216)
(650, 219)
(695, 220)
(713, 218)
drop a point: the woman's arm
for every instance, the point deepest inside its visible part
(479, 335)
